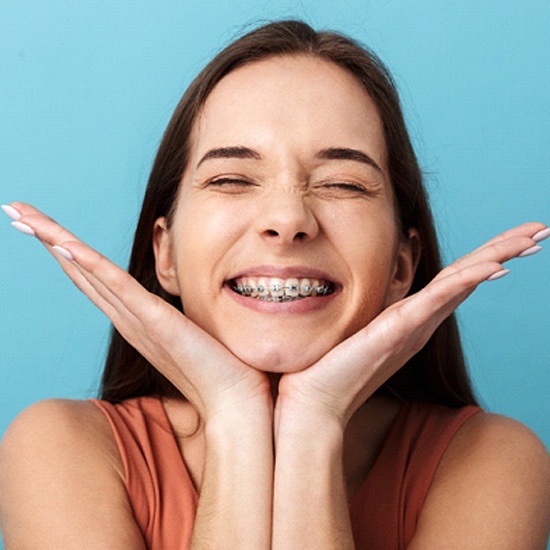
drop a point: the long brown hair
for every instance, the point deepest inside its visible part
(437, 373)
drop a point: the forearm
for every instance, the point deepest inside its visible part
(310, 500)
(235, 503)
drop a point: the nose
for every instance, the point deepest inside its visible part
(286, 218)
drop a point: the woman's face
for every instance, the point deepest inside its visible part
(284, 239)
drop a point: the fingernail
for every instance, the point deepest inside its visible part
(498, 275)
(530, 251)
(24, 228)
(63, 252)
(541, 235)
(11, 212)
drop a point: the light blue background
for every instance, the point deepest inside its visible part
(86, 89)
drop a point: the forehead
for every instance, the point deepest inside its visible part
(301, 100)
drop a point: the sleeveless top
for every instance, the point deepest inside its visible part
(384, 512)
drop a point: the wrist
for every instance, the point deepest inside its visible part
(307, 427)
(246, 421)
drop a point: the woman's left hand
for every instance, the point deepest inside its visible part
(344, 378)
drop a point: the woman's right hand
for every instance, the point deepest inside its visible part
(233, 400)
(206, 373)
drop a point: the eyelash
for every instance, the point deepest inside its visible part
(234, 181)
(347, 186)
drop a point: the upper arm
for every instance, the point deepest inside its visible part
(491, 490)
(62, 483)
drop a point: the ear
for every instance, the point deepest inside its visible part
(164, 258)
(406, 262)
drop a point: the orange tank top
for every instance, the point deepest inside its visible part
(384, 513)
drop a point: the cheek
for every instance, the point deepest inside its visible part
(211, 224)
(204, 240)
(371, 264)
(374, 297)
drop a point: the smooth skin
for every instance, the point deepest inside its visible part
(285, 207)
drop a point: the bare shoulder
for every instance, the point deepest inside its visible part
(497, 441)
(62, 481)
(54, 416)
(491, 490)
(59, 431)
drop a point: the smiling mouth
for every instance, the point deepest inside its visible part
(271, 289)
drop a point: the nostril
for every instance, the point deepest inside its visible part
(299, 236)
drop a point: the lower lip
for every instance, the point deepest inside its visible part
(304, 305)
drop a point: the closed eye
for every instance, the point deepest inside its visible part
(231, 185)
(230, 181)
(344, 189)
(348, 186)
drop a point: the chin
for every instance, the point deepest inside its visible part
(278, 358)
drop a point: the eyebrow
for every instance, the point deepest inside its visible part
(330, 153)
(238, 152)
(346, 153)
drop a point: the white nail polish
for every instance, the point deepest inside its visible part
(530, 251)
(541, 235)
(11, 212)
(24, 228)
(498, 275)
(63, 252)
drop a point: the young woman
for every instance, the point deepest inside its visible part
(285, 370)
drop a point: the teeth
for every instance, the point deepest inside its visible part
(276, 288)
(292, 288)
(281, 290)
(305, 287)
(262, 287)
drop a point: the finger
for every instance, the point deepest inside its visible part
(498, 252)
(443, 295)
(511, 244)
(21, 213)
(87, 264)
(113, 284)
(102, 297)
(44, 228)
(81, 281)
(52, 234)
(529, 229)
(526, 231)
